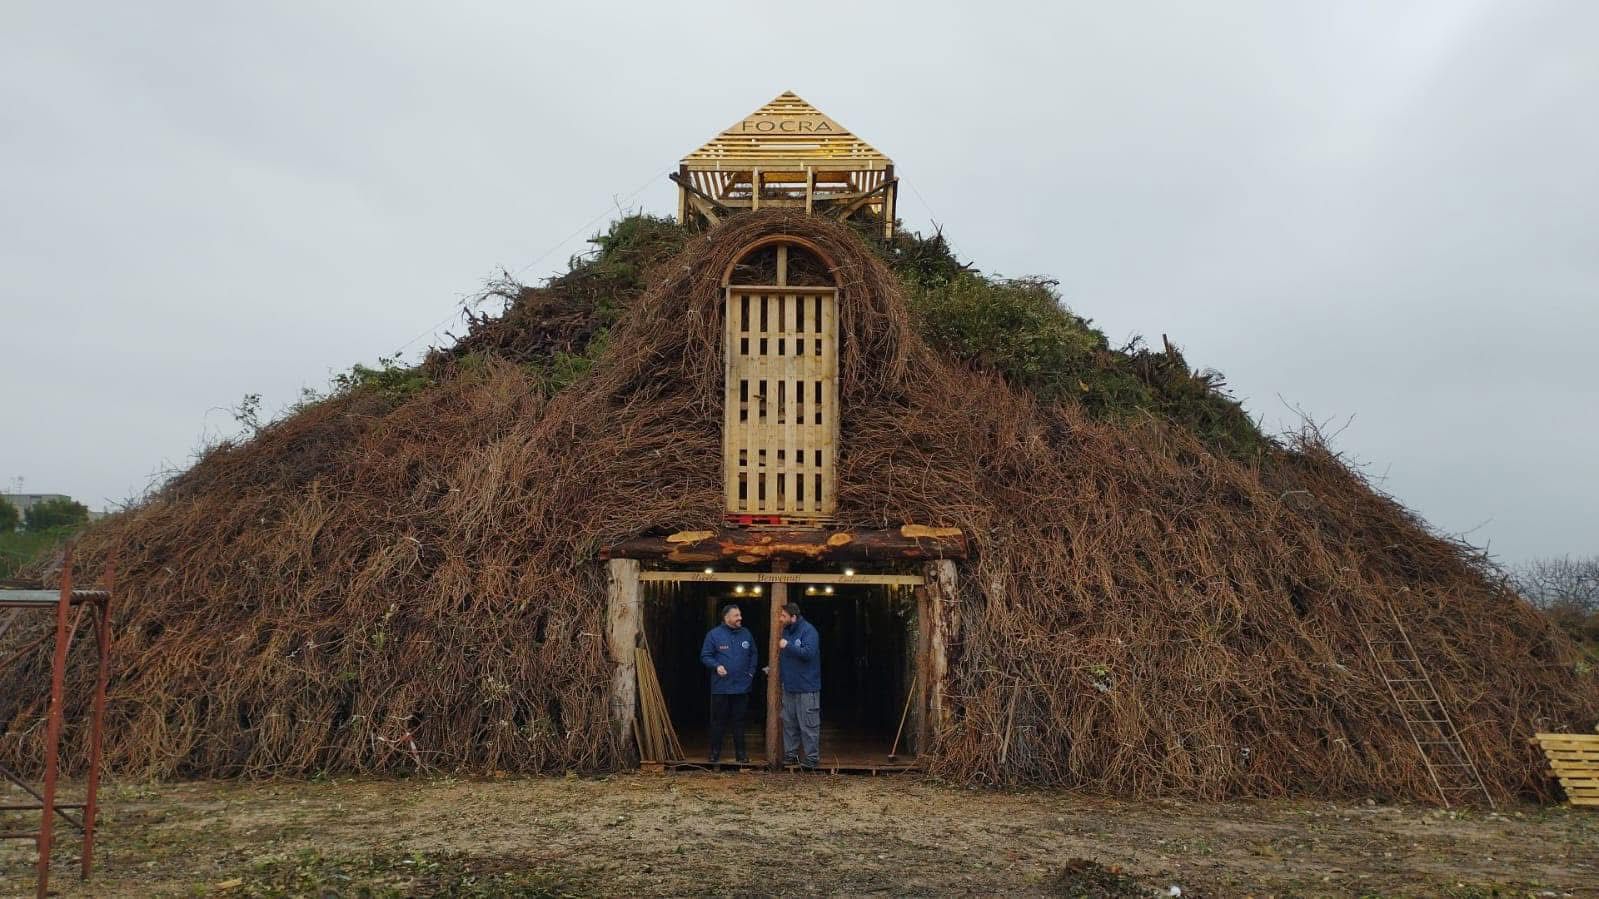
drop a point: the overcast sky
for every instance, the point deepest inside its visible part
(1381, 210)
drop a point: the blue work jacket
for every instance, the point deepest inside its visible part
(800, 665)
(734, 650)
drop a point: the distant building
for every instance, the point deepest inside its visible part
(26, 501)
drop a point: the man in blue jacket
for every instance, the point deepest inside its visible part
(800, 670)
(730, 653)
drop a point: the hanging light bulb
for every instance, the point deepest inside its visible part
(810, 591)
(756, 589)
(710, 571)
(829, 589)
(849, 572)
(739, 589)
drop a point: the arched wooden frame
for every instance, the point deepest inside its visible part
(780, 408)
(782, 242)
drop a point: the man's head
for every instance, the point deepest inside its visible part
(732, 616)
(789, 614)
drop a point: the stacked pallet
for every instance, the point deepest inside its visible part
(1574, 758)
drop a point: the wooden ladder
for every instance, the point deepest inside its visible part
(1426, 717)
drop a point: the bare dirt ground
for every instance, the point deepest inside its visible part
(794, 834)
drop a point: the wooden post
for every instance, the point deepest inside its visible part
(810, 189)
(774, 692)
(755, 189)
(924, 669)
(682, 197)
(890, 203)
(622, 602)
(941, 599)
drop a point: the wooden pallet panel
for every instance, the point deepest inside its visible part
(780, 417)
(1574, 761)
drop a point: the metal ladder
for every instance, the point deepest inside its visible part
(1426, 717)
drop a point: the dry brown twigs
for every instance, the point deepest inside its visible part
(371, 585)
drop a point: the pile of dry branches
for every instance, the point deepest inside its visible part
(375, 584)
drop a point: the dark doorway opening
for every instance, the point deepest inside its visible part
(868, 635)
(676, 619)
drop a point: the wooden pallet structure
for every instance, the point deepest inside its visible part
(787, 154)
(1574, 759)
(1432, 729)
(780, 429)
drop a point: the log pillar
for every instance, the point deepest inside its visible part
(774, 689)
(622, 607)
(939, 606)
(924, 669)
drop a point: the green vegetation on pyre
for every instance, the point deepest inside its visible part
(1018, 328)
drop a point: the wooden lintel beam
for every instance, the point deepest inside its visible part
(768, 577)
(910, 542)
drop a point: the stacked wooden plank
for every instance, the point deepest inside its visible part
(1574, 758)
(657, 739)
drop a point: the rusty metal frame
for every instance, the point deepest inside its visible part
(98, 604)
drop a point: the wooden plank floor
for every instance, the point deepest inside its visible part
(843, 752)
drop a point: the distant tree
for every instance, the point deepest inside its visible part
(1561, 583)
(1568, 590)
(9, 517)
(56, 513)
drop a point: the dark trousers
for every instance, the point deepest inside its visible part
(727, 711)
